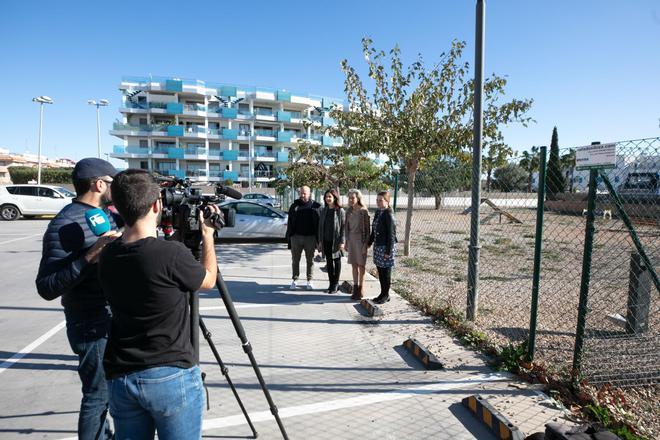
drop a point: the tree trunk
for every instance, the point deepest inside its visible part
(529, 181)
(412, 172)
(490, 171)
(438, 201)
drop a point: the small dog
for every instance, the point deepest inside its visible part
(606, 213)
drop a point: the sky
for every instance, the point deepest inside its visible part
(592, 67)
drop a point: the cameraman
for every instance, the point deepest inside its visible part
(154, 383)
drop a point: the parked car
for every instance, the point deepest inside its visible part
(641, 187)
(30, 200)
(254, 220)
(263, 198)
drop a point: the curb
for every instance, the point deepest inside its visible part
(423, 354)
(372, 309)
(496, 421)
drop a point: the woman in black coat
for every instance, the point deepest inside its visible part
(383, 237)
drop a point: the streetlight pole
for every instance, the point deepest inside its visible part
(41, 100)
(100, 103)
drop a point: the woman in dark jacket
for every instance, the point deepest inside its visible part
(383, 237)
(332, 220)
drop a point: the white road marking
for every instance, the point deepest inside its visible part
(22, 238)
(351, 402)
(43, 338)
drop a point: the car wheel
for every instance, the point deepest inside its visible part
(9, 212)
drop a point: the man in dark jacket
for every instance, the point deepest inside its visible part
(68, 269)
(302, 233)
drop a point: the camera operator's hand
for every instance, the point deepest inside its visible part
(92, 255)
(206, 225)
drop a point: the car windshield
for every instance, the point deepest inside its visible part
(65, 192)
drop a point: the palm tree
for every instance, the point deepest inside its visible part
(530, 163)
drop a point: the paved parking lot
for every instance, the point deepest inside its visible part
(332, 372)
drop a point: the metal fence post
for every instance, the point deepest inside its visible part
(473, 262)
(538, 242)
(586, 275)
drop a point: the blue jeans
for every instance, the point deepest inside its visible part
(87, 340)
(168, 400)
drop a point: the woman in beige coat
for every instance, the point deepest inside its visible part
(357, 240)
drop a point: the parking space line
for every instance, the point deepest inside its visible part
(351, 402)
(22, 238)
(43, 338)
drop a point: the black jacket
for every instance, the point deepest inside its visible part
(63, 270)
(385, 233)
(303, 219)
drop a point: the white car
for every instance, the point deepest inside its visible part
(30, 200)
(264, 199)
(254, 220)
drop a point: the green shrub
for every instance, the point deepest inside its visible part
(48, 175)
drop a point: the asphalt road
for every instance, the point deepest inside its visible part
(332, 372)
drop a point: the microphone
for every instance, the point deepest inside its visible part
(97, 221)
(228, 191)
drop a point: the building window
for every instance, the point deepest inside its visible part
(144, 165)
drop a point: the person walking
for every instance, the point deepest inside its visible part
(332, 220)
(383, 237)
(357, 240)
(302, 234)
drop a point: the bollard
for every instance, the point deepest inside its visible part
(639, 295)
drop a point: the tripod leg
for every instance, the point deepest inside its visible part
(247, 348)
(225, 372)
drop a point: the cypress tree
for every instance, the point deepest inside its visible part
(555, 179)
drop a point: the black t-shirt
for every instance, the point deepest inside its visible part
(147, 284)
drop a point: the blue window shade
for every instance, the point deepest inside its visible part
(233, 175)
(229, 91)
(118, 149)
(230, 155)
(174, 85)
(283, 96)
(175, 153)
(283, 116)
(174, 108)
(282, 156)
(175, 130)
(229, 133)
(230, 113)
(283, 136)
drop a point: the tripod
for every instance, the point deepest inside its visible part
(247, 348)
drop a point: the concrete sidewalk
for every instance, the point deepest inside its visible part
(333, 372)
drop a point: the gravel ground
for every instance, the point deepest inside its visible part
(436, 270)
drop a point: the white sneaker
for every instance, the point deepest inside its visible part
(310, 286)
(293, 285)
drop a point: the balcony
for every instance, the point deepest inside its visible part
(228, 91)
(195, 131)
(230, 175)
(215, 173)
(194, 108)
(175, 153)
(130, 150)
(174, 85)
(260, 134)
(245, 114)
(195, 151)
(229, 134)
(214, 132)
(175, 130)
(229, 113)
(174, 108)
(284, 136)
(197, 172)
(213, 153)
(283, 116)
(283, 95)
(264, 154)
(282, 156)
(263, 174)
(230, 155)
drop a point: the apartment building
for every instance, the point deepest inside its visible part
(215, 132)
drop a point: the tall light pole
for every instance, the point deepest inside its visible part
(100, 103)
(41, 100)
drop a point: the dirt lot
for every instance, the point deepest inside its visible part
(437, 270)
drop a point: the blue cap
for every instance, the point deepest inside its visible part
(93, 167)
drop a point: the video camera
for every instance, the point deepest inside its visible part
(182, 203)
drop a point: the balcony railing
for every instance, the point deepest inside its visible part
(263, 173)
(265, 154)
(269, 133)
(263, 112)
(195, 129)
(194, 107)
(195, 150)
(196, 173)
(247, 133)
(215, 153)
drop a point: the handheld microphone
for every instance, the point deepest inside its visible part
(97, 221)
(228, 191)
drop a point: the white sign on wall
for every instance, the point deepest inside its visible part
(595, 156)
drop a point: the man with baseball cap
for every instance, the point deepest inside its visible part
(68, 269)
